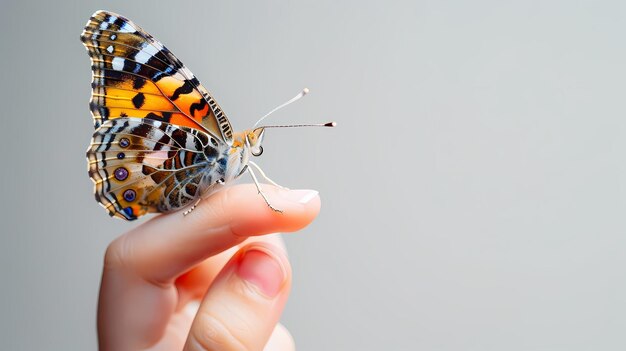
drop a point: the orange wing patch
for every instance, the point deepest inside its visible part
(134, 75)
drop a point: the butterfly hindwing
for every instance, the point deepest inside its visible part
(135, 75)
(140, 165)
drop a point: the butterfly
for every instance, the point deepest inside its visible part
(162, 142)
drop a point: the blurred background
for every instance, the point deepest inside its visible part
(473, 193)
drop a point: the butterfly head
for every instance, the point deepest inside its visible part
(254, 139)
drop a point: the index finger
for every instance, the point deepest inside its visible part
(169, 245)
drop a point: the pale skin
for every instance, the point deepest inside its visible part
(218, 257)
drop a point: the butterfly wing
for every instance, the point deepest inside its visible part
(140, 165)
(135, 75)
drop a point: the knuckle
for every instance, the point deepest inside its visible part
(211, 333)
(117, 254)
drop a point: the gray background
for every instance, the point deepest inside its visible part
(473, 194)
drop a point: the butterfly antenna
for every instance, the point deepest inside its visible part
(328, 124)
(294, 99)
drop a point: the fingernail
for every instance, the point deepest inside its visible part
(263, 271)
(301, 196)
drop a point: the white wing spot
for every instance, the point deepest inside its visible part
(146, 53)
(127, 28)
(150, 50)
(110, 49)
(142, 57)
(118, 63)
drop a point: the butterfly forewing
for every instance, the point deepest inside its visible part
(135, 75)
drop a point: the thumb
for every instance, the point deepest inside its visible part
(244, 303)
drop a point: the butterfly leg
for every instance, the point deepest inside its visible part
(193, 207)
(265, 176)
(258, 187)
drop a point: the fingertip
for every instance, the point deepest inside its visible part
(254, 217)
(304, 207)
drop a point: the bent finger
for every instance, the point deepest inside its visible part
(243, 306)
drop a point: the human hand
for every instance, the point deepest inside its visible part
(153, 275)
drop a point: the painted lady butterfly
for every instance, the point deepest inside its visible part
(161, 141)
